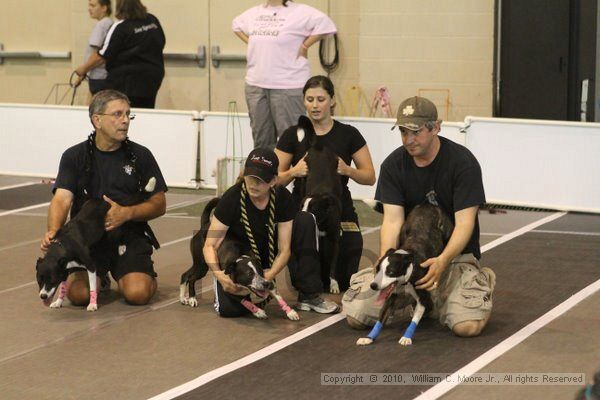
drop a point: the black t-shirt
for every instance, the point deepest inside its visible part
(228, 211)
(454, 175)
(344, 140)
(111, 173)
(133, 50)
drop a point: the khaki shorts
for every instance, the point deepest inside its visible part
(463, 294)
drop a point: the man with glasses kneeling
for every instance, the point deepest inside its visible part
(108, 165)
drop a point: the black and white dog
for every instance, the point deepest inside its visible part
(321, 191)
(424, 235)
(237, 261)
(71, 248)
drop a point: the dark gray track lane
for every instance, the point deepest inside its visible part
(531, 281)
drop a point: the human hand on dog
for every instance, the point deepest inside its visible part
(342, 168)
(436, 265)
(300, 169)
(226, 282)
(116, 216)
(47, 240)
(269, 276)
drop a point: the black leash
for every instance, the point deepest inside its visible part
(55, 88)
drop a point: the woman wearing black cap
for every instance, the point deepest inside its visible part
(255, 211)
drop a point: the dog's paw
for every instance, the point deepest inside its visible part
(183, 300)
(293, 315)
(192, 302)
(56, 303)
(333, 286)
(92, 307)
(260, 314)
(364, 341)
(404, 341)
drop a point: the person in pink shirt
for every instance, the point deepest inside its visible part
(279, 34)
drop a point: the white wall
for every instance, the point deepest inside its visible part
(33, 137)
(525, 162)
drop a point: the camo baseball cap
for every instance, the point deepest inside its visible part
(414, 112)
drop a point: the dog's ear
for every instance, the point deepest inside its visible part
(305, 125)
(230, 268)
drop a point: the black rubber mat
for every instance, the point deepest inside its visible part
(535, 273)
(24, 196)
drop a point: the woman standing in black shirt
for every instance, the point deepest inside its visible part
(349, 145)
(133, 53)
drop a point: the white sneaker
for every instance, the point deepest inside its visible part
(319, 305)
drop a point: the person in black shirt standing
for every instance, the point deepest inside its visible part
(350, 146)
(430, 166)
(133, 53)
(107, 165)
(254, 210)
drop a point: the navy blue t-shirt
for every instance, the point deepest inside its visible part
(111, 174)
(454, 175)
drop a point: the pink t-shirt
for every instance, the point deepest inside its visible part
(275, 36)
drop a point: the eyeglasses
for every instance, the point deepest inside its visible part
(120, 114)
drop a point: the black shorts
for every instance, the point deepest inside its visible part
(228, 305)
(133, 253)
(97, 85)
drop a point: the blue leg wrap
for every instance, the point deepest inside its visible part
(375, 331)
(410, 331)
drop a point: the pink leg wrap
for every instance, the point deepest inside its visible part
(286, 309)
(93, 297)
(250, 306)
(63, 289)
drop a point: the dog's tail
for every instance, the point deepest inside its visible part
(374, 204)
(306, 130)
(205, 218)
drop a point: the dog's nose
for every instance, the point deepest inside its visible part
(374, 286)
(43, 296)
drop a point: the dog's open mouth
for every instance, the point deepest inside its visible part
(260, 293)
(385, 293)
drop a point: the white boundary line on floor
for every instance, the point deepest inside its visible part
(445, 386)
(567, 232)
(521, 231)
(249, 359)
(2, 214)
(18, 185)
(14, 246)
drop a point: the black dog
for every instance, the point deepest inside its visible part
(424, 235)
(237, 261)
(321, 191)
(71, 248)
